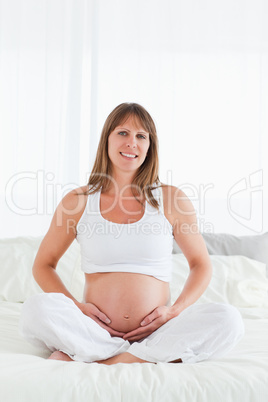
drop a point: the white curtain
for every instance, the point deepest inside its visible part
(200, 69)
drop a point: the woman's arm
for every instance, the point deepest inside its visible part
(59, 237)
(192, 244)
(61, 233)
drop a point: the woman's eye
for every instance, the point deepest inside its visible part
(123, 133)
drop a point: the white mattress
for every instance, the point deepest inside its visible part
(26, 375)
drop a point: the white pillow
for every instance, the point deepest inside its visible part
(254, 247)
(237, 280)
(16, 260)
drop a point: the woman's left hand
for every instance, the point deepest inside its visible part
(151, 322)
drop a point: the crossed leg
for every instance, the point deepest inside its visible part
(121, 358)
(129, 358)
(198, 333)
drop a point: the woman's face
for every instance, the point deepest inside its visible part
(128, 145)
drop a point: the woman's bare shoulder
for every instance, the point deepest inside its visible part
(74, 202)
(176, 202)
(73, 195)
(62, 230)
(79, 190)
(172, 192)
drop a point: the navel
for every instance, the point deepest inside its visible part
(126, 317)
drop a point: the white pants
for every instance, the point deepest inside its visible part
(200, 332)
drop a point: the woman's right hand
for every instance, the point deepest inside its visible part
(99, 317)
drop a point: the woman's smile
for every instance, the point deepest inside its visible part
(129, 156)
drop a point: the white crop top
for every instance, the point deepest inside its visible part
(143, 247)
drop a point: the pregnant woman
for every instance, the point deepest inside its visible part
(125, 221)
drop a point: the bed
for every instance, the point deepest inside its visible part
(239, 278)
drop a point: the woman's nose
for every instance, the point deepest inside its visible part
(132, 142)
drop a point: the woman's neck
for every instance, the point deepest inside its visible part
(121, 185)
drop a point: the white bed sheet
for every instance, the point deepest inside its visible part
(26, 375)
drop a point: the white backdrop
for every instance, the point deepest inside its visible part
(199, 67)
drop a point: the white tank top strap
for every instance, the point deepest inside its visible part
(94, 202)
(158, 195)
(161, 201)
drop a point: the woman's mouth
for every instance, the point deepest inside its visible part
(128, 156)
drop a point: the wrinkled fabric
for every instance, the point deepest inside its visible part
(200, 332)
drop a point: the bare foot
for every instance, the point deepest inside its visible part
(57, 355)
(122, 358)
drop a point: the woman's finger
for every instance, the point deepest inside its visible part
(139, 337)
(103, 317)
(150, 318)
(141, 332)
(99, 314)
(110, 330)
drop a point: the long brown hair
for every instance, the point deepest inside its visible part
(146, 177)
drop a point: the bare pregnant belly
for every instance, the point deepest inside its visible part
(126, 298)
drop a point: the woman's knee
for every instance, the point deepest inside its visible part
(232, 320)
(39, 308)
(226, 316)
